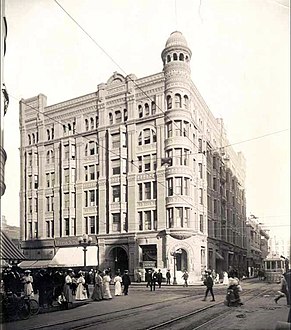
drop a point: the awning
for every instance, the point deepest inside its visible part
(26, 264)
(74, 257)
(8, 250)
(218, 256)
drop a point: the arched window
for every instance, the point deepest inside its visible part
(153, 108)
(125, 114)
(48, 134)
(117, 117)
(147, 136)
(181, 57)
(86, 124)
(64, 129)
(168, 58)
(53, 133)
(48, 157)
(29, 139)
(33, 138)
(169, 102)
(96, 122)
(186, 102)
(92, 123)
(146, 109)
(110, 118)
(175, 57)
(69, 127)
(140, 114)
(178, 101)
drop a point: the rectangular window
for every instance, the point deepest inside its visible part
(115, 166)
(86, 199)
(147, 136)
(30, 230)
(140, 191)
(154, 159)
(52, 203)
(30, 182)
(48, 203)
(140, 226)
(47, 178)
(200, 170)
(170, 217)
(66, 151)
(35, 204)
(199, 145)
(186, 217)
(35, 181)
(214, 184)
(178, 156)
(201, 223)
(178, 186)
(115, 141)
(52, 228)
(116, 193)
(73, 175)
(170, 186)
(73, 150)
(67, 175)
(186, 186)
(201, 196)
(179, 217)
(139, 159)
(147, 190)
(147, 163)
(73, 224)
(147, 220)
(92, 172)
(92, 197)
(67, 226)
(47, 228)
(92, 224)
(155, 220)
(215, 206)
(30, 159)
(169, 130)
(53, 179)
(154, 190)
(86, 172)
(116, 222)
(178, 128)
(66, 200)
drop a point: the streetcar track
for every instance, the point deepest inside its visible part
(185, 316)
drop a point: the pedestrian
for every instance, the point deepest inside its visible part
(185, 277)
(225, 278)
(41, 287)
(28, 280)
(159, 278)
(106, 285)
(97, 294)
(81, 292)
(67, 291)
(168, 277)
(283, 292)
(148, 276)
(208, 282)
(153, 280)
(125, 282)
(117, 284)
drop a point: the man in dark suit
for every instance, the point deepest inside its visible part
(159, 278)
(125, 282)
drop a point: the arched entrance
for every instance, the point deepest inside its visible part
(119, 260)
(182, 261)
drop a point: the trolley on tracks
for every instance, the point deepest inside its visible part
(274, 269)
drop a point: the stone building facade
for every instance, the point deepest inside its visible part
(140, 165)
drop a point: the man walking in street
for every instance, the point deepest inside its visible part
(168, 277)
(209, 286)
(125, 282)
(159, 278)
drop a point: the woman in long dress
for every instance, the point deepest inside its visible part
(225, 278)
(81, 292)
(67, 288)
(98, 288)
(106, 285)
(28, 280)
(117, 283)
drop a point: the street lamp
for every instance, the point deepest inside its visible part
(85, 241)
(174, 255)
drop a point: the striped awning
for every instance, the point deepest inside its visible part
(8, 250)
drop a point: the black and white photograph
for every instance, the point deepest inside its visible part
(145, 165)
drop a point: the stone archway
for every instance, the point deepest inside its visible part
(182, 261)
(118, 260)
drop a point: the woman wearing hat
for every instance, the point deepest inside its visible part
(28, 280)
(67, 287)
(81, 292)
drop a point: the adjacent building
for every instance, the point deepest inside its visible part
(140, 165)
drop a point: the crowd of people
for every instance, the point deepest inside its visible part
(64, 286)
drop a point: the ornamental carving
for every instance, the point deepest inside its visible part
(181, 236)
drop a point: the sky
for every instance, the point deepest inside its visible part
(240, 65)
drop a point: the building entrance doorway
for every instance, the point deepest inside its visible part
(120, 260)
(181, 260)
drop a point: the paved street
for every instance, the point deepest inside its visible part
(143, 309)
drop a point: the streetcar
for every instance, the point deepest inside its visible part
(274, 268)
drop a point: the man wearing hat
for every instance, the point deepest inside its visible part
(125, 282)
(209, 285)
